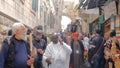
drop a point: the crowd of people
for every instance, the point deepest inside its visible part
(59, 50)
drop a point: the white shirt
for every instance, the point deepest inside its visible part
(59, 54)
(86, 43)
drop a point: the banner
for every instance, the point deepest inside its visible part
(118, 26)
(118, 33)
(110, 9)
(118, 21)
(112, 21)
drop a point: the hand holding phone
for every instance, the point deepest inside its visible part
(60, 40)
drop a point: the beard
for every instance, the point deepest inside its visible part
(23, 37)
(55, 42)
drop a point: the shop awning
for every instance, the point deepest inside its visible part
(83, 3)
(95, 3)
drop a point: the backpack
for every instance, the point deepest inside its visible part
(9, 59)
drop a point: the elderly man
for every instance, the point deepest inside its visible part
(57, 53)
(77, 56)
(15, 51)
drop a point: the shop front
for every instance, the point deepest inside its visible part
(112, 17)
(94, 25)
(97, 24)
(113, 23)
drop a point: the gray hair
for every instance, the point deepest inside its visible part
(16, 26)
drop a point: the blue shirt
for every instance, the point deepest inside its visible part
(21, 55)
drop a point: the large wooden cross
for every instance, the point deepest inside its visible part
(32, 49)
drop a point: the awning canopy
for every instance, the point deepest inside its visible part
(95, 3)
(83, 4)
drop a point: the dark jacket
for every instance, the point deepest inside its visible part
(97, 42)
(39, 44)
(72, 47)
(10, 55)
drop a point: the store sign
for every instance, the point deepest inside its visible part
(110, 9)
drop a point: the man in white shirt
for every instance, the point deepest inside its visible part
(57, 53)
(86, 42)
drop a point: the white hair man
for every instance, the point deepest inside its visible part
(16, 53)
(57, 54)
